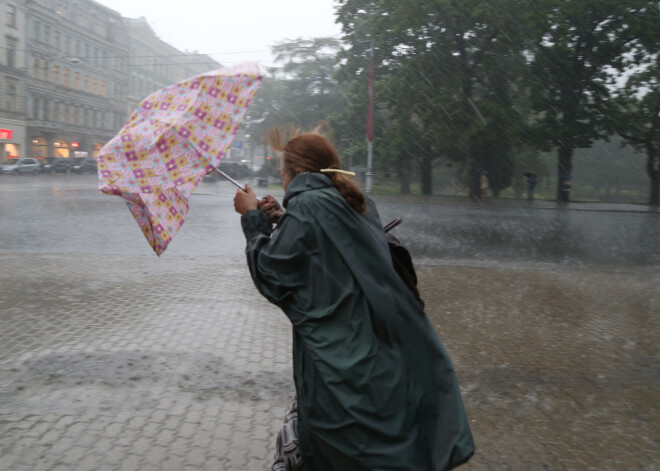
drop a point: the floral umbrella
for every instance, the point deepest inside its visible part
(175, 136)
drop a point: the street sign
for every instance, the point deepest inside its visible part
(6, 133)
(238, 144)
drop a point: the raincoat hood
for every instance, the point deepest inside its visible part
(304, 182)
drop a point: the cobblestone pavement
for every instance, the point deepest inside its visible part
(138, 363)
(120, 363)
(560, 369)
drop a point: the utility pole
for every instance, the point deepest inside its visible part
(370, 144)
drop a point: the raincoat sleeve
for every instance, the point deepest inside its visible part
(277, 259)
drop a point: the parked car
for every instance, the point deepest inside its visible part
(20, 166)
(47, 165)
(60, 165)
(83, 165)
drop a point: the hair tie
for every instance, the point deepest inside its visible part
(337, 170)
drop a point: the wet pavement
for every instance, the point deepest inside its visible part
(114, 359)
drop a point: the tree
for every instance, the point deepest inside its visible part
(446, 73)
(637, 120)
(310, 90)
(302, 91)
(577, 44)
(635, 113)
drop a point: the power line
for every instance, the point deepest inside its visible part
(183, 54)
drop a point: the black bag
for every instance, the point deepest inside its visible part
(402, 260)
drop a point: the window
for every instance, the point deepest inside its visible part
(11, 53)
(46, 37)
(58, 40)
(37, 31)
(11, 16)
(11, 95)
(56, 75)
(104, 87)
(101, 29)
(36, 68)
(76, 80)
(67, 44)
(67, 78)
(46, 69)
(86, 83)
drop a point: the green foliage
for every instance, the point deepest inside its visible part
(302, 91)
(577, 45)
(635, 116)
(447, 72)
(490, 86)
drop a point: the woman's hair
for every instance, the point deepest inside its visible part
(311, 152)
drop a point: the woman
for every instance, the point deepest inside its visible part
(375, 386)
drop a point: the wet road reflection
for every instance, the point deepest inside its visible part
(47, 215)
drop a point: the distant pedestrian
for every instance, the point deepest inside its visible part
(375, 386)
(531, 185)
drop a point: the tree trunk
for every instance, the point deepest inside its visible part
(426, 168)
(653, 171)
(654, 197)
(404, 176)
(564, 168)
(474, 180)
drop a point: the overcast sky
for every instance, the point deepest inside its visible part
(232, 31)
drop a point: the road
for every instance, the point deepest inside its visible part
(112, 358)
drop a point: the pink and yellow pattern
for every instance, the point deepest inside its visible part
(176, 136)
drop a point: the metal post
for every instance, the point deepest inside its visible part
(370, 145)
(370, 150)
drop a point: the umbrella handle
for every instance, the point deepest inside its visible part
(392, 224)
(223, 174)
(220, 172)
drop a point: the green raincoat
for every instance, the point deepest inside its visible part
(376, 388)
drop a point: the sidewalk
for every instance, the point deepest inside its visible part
(516, 203)
(138, 363)
(120, 363)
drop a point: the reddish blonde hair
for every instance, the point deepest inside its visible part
(311, 152)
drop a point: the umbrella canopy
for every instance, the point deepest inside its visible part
(175, 136)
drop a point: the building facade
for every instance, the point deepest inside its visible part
(72, 72)
(13, 131)
(76, 76)
(154, 64)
